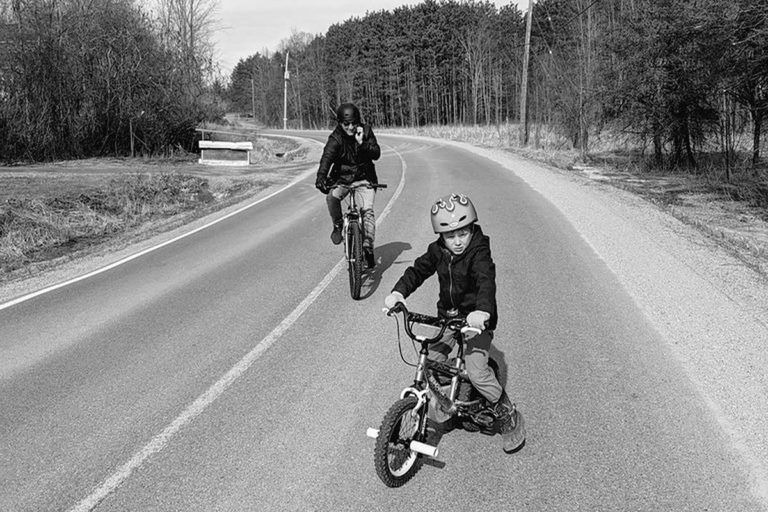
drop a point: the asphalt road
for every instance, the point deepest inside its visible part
(230, 370)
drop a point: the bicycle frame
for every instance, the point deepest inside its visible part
(403, 436)
(449, 403)
(457, 372)
(420, 389)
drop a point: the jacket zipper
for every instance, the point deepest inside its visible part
(450, 281)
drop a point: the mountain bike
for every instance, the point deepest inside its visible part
(352, 231)
(402, 438)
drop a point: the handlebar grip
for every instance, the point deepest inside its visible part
(467, 329)
(398, 307)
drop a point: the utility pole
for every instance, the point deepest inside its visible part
(285, 92)
(253, 101)
(130, 129)
(524, 85)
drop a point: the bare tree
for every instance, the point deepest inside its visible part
(747, 65)
(86, 77)
(186, 28)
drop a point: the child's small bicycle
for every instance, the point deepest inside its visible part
(352, 231)
(401, 440)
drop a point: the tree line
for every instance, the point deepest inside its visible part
(84, 77)
(433, 63)
(676, 77)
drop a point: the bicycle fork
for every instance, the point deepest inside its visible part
(420, 391)
(416, 446)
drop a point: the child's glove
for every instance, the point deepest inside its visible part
(477, 319)
(392, 299)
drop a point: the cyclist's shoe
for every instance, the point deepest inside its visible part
(511, 424)
(370, 260)
(336, 233)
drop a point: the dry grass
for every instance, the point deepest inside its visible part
(44, 227)
(545, 144)
(54, 210)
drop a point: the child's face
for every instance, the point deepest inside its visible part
(457, 240)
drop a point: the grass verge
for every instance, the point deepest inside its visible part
(41, 228)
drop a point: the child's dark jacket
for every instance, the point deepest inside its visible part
(467, 281)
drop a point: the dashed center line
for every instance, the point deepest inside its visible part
(216, 390)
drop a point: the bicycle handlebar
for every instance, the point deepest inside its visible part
(457, 323)
(359, 185)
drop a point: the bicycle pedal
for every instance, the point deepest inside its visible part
(424, 449)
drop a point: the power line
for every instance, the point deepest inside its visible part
(582, 12)
(573, 18)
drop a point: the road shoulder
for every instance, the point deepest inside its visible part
(706, 303)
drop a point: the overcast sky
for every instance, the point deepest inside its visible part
(250, 26)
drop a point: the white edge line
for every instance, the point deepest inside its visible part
(203, 401)
(217, 389)
(150, 249)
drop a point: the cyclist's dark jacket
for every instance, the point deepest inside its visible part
(467, 280)
(343, 161)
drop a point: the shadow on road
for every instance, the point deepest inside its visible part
(498, 356)
(386, 255)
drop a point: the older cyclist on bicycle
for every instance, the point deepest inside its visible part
(348, 158)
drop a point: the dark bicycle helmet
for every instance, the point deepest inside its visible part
(348, 113)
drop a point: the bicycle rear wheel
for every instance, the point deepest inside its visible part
(355, 261)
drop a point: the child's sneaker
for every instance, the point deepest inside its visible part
(511, 424)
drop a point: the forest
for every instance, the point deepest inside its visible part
(82, 78)
(676, 80)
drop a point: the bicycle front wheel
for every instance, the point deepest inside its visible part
(355, 258)
(394, 460)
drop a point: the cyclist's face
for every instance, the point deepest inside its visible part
(457, 240)
(349, 127)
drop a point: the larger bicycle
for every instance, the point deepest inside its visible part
(353, 233)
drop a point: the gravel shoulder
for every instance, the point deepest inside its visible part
(706, 298)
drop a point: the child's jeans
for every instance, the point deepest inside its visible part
(476, 351)
(364, 198)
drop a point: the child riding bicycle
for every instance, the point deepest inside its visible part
(347, 159)
(461, 257)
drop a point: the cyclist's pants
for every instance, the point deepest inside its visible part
(364, 198)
